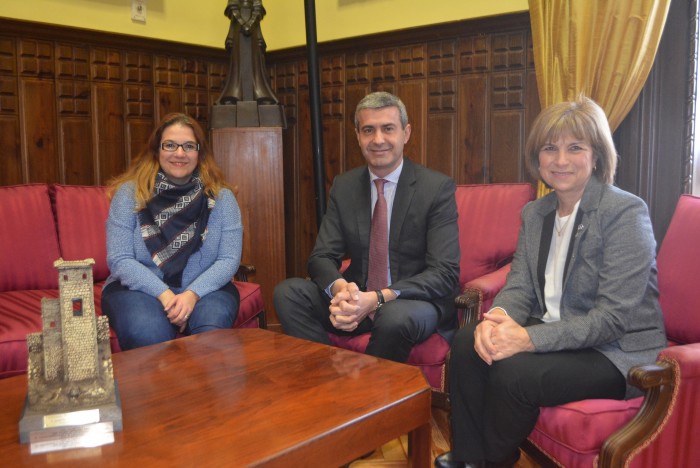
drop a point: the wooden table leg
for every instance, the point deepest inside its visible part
(419, 447)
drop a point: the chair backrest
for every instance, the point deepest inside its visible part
(81, 213)
(489, 221)
(28, 240)
(679, 272)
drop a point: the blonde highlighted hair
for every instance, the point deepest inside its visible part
(144, 167)
(582, 119)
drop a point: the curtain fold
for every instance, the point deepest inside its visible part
(604, 49)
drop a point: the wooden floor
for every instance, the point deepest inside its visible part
(393, 454)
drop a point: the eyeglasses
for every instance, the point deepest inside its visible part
(171, 146)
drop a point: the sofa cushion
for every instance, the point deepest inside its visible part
(81, 213)
(21, 315)
(28, 238)
(494, 209)
(577, 430)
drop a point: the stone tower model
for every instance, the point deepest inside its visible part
(70, 361)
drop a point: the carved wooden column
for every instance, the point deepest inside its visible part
(251, 158)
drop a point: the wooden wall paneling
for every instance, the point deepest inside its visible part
(507, 132)
(332, 110)
(73, 98)
(414, 94)
(442, 135)
(510, 59)
(413, 61)
(286, 85)
(168, 100)
(37, 110)
(76, 150)
(506, 146)
(38, 128)
(383, 65)
(473, 159)
(137, 132)
(11, 160)
(195, 98)
(168, 85)
(108, 130)
(8, 57)
(442, 128)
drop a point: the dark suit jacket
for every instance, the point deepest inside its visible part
(423, 237)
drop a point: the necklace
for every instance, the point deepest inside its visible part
(561, 228)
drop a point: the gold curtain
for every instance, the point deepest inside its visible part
(602, 48)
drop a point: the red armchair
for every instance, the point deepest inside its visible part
(662, 427)
(489, 220)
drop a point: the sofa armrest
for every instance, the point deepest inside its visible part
(668, 411)
(243, 271)
(480, 292)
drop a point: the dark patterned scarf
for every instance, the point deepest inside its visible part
(174, 223)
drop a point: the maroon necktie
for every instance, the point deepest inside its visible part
(378, 243)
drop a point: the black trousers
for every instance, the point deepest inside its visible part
(494, 408)
(303, 312)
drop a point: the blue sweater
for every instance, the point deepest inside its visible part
(207, 270)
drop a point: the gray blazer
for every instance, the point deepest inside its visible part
(610, 292)
(423, 237)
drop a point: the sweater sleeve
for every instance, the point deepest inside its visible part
(122, 234)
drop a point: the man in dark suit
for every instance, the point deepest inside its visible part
(420, 268)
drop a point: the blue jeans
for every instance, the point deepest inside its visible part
(138, 319)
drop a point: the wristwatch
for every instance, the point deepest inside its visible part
(380, 300)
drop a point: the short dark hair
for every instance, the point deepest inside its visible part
(379, 100)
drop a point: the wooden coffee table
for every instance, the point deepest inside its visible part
(244, 397)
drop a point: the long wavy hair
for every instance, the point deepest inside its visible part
(144, 167)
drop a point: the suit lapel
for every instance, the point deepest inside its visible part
(364, 212)
(545, 243)
(405, 190)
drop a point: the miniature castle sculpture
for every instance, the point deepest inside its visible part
(70, 360)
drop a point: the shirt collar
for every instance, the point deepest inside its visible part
(392, 177)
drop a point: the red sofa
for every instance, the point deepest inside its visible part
(44, 222)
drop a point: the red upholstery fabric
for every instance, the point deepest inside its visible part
(489, 221)
(429, 355)
(489, 285)
(573, 434)
(251, 304)
(81, 213)
(21, 315)
(27, 238)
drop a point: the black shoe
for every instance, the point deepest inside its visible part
(445, 461)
